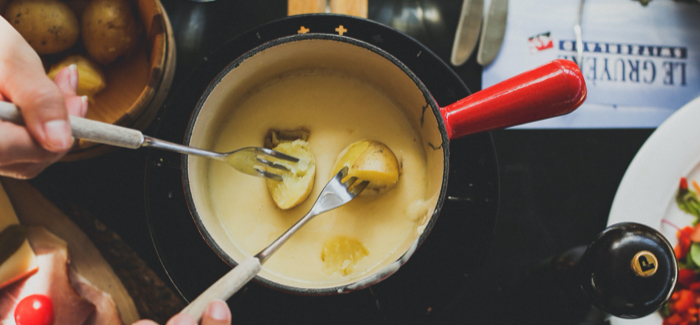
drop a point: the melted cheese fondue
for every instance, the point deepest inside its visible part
(337, 110)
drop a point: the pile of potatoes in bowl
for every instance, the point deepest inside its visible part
(89, 33)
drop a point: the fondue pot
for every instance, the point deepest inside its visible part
(554, 89)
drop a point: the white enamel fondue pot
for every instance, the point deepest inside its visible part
(554, 89)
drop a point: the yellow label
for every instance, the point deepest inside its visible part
(645, 264)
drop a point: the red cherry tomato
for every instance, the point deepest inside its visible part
(34, 310)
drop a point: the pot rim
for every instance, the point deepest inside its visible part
(374, 277)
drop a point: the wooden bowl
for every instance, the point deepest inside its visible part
(136, 84)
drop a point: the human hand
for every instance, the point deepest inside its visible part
(45, 105)
(217, 313)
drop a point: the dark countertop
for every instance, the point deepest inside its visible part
(556, 186)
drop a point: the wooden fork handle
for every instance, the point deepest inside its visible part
(85, 129)
(225, 287)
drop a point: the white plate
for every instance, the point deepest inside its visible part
(647, 192)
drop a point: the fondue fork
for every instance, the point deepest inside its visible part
(335, 194)
(249, 160)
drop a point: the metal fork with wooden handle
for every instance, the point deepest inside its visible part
(249, 160)
(335, 194)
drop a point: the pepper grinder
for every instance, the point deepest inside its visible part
(628, 271)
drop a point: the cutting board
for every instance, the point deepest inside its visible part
(33, 209)
(356, 8)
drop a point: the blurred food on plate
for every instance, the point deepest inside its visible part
(38, 283)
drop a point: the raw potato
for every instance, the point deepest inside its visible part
(372, 161)
(109, 29)
(296, 185)
(49, 26)
(90, 77)
(78, 6)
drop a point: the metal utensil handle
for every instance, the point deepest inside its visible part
(85, 129)
(225, 287)
(577, 32)
(264, 254)
(467, 33)
(176, 147)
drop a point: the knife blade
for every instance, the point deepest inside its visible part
(467, 31)
(493, 31)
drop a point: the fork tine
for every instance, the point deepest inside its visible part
(357, 189)
(271, 164)
(344, 171)
(276, 154)
(269, 175)
(350, 181)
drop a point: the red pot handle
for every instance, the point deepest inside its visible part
(554, 89)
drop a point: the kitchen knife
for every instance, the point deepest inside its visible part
(493, 31)
(467, 31)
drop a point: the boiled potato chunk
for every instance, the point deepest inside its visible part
(341, 253)
(296, 184)
(109, 29)
(372, 161)
(49, 26)
(90, 77)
